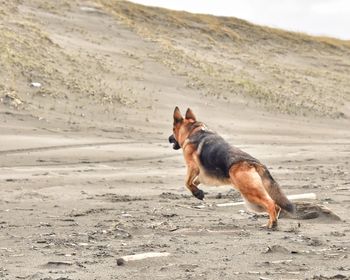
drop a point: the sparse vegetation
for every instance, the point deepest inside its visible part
(270, 65)
(222, 57)
(27, 54)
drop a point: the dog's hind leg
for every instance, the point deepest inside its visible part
(192, 181)
(246, 179)
(274, 190)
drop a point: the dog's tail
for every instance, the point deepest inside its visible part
(274, 190)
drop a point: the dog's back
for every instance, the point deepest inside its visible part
(211, 160)
(216, 155)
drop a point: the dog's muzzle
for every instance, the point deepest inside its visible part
(173, 141)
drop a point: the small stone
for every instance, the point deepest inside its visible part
(120, 261)
(35, 84)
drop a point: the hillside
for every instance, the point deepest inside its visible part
(227, 57)
(212, 57)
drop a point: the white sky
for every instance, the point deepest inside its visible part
(317, 17)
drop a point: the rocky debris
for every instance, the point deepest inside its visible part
(277, 249)
(11, 99)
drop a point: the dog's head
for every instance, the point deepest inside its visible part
(181, 127)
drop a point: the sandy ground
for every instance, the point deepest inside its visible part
(71, 204)
(84, 183)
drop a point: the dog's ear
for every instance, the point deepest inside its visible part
(177, 115)
(190, 115)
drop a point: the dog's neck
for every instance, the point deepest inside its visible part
(196, 126)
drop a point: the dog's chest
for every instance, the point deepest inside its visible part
(210, 180)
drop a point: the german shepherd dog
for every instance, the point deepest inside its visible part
(211, 160)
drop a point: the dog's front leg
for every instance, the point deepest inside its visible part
(192, 182)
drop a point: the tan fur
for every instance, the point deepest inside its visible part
(249, 179)
(249, 183)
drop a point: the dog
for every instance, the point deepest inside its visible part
(211, 160)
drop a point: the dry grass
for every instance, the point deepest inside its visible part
(219, 27)
(221, 57)
(268, 64)
(27, 54)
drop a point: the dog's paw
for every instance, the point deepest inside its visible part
(270, 226)
(198, 194)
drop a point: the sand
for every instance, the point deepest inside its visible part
(87, 175)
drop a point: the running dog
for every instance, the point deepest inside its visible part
(211, 160)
